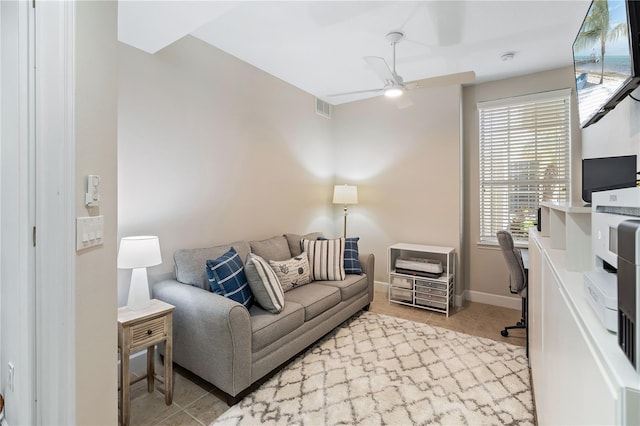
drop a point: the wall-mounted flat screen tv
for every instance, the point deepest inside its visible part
(606, 57)
(602, 174)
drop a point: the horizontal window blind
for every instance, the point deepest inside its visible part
(524, 159)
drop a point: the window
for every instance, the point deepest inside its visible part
(524, 159)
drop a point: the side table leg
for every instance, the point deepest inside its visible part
(151, 370)
(168, 364)
(125, 384)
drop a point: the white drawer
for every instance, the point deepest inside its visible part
(431, 302)
(431, 291)
(402, 282)
(401, 295)
(432, 284)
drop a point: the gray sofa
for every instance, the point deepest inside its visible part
(233, 347)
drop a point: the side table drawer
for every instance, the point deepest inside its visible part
(146, 332)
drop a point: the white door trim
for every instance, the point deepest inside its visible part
(55, 212)
(17, 212)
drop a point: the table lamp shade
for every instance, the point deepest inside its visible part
(139, 252)
(345, 194)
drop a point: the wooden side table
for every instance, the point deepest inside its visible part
(143, 329)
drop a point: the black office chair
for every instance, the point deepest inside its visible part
(517, 278)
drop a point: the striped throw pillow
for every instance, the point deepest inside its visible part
(351, 256)
(326, 259)
(264, 284)
(226, 277)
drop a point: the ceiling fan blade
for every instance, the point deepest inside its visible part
(381, 68)
(443, 80)
(356, 92)
(403, 101)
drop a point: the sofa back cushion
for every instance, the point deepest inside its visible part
(190, 263)
(274, 248)
(295, 241)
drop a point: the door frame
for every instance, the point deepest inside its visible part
(37, 199)
(17, 212)
(55, 212)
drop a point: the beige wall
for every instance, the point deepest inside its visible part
(485, 270)
(212, 150)
(95, 296)
(406, 164)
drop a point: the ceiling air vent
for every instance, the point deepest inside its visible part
(323, 108)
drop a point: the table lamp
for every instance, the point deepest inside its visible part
(345, 194)
(137, 254)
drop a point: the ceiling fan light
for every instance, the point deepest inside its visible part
(393, 92)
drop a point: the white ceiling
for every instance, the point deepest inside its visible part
(318, 46)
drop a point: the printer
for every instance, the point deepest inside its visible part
(613, 288)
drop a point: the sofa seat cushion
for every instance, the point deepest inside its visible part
(350, 286)
(266, 327)
(315, 298)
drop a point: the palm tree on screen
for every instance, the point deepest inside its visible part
(596, 29)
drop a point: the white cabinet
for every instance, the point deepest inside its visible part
(534, 313)
(580, 375)
(433, 293)
(582, 390)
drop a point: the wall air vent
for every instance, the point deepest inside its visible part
(323, 108)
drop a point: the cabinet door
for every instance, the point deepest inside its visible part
(535, 318)
(576, 389)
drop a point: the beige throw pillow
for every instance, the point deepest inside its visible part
(292, 273)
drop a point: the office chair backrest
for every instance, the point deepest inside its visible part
(513, 257)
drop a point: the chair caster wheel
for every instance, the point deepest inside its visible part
(504, 333)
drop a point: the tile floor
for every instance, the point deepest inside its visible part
(196, 403)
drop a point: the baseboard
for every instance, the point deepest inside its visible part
(493, 299)
(381, 286)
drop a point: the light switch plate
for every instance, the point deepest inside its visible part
(89, 231)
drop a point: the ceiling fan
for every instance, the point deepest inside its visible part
(393, 84)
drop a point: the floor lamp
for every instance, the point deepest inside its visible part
(137, 254)
(345, 194)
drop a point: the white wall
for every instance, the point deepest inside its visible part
(617, 133)
(485, 270)
(406, 164)
(212, 150)
(95, 129)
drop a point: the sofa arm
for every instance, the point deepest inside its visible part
(367, 262)
(211, 335)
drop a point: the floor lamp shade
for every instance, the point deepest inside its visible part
(137, 254)
(345, 194)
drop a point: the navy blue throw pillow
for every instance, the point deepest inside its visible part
(351, 262)
(227, 278)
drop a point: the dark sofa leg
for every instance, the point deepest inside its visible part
(232, 400)
(366, 308)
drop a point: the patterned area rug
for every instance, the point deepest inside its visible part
(375, 369)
